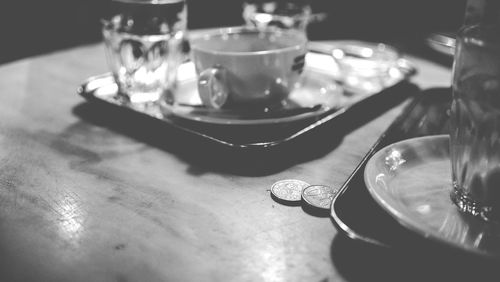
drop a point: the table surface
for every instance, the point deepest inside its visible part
(83, 201)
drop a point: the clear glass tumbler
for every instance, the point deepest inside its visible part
(288, 14)
(475, 122)
(145, 42)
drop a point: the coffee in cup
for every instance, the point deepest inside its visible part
(247, 67)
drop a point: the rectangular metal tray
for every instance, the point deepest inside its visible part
(253, 137)
(353, 211)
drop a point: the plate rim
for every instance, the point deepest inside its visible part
(407, 221)
(171, 109)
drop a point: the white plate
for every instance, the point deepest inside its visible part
(319, 89)
(411, 180)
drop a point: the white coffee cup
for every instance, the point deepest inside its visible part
(245, 67)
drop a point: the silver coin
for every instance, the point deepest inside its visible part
(289, 189)
(319, 196)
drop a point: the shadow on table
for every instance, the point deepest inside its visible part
(423, 261)
(206, 155)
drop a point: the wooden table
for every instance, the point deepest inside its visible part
(83, 201)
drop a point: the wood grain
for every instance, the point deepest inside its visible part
(81, 200)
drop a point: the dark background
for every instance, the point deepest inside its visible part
(34, 27)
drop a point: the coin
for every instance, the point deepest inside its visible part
(319, 196)
(289, 189)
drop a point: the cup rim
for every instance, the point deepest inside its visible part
(240, 29)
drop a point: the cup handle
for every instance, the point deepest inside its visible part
(212, 87)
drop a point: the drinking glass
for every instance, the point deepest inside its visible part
(145, 43)
(475, 122)
(281, 14)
